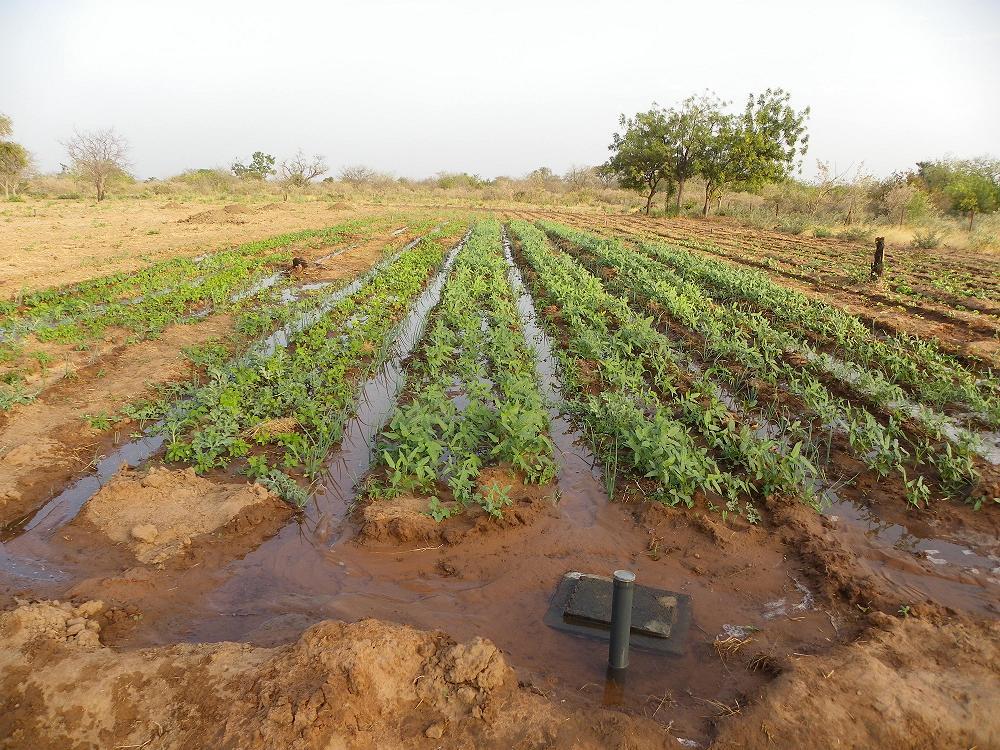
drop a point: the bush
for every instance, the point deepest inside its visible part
(793, 225)
(927, 239)
(822, 232)
(856, 234)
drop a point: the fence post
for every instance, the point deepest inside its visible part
(878, 264)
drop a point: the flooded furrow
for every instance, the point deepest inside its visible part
(580, 485)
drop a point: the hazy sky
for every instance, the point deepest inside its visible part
(494, 88)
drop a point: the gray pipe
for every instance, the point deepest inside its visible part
(621, 618)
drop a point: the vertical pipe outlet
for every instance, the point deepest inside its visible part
(621, 618)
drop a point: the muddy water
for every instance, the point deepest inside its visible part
(959, 570)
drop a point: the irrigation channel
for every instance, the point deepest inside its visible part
(494, 585)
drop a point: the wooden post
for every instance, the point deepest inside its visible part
(878, 265)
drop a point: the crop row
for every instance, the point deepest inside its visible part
(919, 364)
(640, 403)
(741, 345)
(472, 395)
(288, 404)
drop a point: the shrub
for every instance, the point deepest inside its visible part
(856, 234)
(793, 225)
(822, 232)
(927, 239)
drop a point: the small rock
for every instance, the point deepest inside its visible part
(91, 608)
(88, 638)
(435, 731)
(144, 532)
(94, 625)
(76, 621)
(74, 629)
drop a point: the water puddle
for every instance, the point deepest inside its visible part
(963, 574)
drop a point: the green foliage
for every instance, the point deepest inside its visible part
(762, 144)
(642, 154)
(295, 400)
(725, 308)
(14, 160)
(472, 396)
(261, 167)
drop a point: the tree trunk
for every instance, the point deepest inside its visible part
(680, 190)
(902, 215)
(649, 200)
(776, 206)
(878, 264)
(704, 209)
(972, 215)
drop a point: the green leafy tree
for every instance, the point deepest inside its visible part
(689, 130)
(643, 156)
(971, 193)
(762, 144)
(261, 167)
(14, 159)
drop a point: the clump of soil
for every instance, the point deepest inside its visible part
(405, 519)
(915, 684)
(230, 214)
(367, 684)
(160, 514)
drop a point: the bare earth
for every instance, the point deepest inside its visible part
(44, 244)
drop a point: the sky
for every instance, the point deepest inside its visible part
(496, 88)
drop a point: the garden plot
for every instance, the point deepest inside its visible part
(453, 431)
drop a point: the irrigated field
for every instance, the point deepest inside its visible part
(420, 420)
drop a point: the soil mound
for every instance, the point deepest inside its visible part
(231, 214)
(367, 684)
(405, 519)
(160, 514)
(914, 684)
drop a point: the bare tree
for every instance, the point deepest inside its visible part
(300, 170)
(358, 174)
(899, 199)
(579, 177)
(98, 156)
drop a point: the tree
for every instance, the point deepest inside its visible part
(14, 159)
(579, 177)
(642, 155)
(358, 174)
(760, 145)
(300, 170)
(261, 166)
(898, 199)
(689, 129)
(972, 192)
(98, 156)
